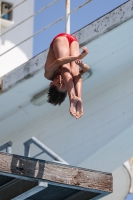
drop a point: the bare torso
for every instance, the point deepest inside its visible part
(50, 59)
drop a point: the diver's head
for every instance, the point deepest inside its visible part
(59, 83)
(57, 91)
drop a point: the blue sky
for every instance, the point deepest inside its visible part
(79, 19)
(130, 197)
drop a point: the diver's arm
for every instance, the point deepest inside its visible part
(49, 71)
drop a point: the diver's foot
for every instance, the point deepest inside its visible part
(79, 109)
(73, 102)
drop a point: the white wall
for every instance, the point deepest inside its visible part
(121, 184)
(22, 53)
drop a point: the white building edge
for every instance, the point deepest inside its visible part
(103, 138)
(24, 52)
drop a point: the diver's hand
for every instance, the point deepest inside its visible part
(84, 52)
(79, 62)
(84, 67)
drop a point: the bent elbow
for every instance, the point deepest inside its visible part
(47, 76)
(58, 62)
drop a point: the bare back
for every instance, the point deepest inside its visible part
(61, 43)
(50, 58)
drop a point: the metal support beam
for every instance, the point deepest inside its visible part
(41, 186)
(43, 147)
(68, 16)
(7, 146)
(26, 149)
(56, 174)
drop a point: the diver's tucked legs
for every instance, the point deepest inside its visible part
(77, 80)
(68, 79)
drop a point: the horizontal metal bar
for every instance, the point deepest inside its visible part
(18, 176)
(33, 35)
(46, 27)
(7, 185)
(41, 186)
(39, 154)
(55, 183)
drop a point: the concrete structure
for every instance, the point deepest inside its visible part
(22, 53)
(103, 138)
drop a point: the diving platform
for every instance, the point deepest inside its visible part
(28, 178)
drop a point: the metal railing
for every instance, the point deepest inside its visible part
(36, 13)
(43, 147)
(67, 16)
(7, 146)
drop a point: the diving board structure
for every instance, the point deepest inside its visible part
(28, 178)
(102, 139)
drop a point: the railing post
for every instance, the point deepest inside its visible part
(26, 149)
(9, 147)
(68, 16)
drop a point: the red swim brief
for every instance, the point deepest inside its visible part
(70, 38)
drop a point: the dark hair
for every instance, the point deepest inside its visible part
(56, 97)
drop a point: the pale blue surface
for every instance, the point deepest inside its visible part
(130, 197)
(79, 19)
